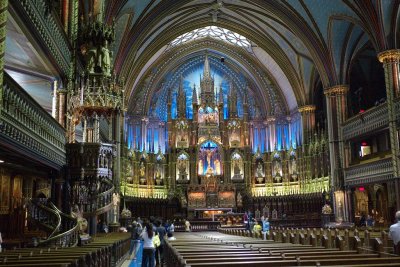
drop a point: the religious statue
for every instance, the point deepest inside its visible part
(209, 154)
(200, 171)
(91, 55)
(236, 170)
(81, 221)
(182, 169)
(142, 170)
(158, 171)
(294, 166)
(239, 200)
(115, 202)
(277, 169)
(259, 172)
(217, 165)
(105, 59)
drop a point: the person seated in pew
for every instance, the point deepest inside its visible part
(394, 233)
(257, 229)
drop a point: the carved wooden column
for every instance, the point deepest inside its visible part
(391, 60)
(3, 23)
(336, 104)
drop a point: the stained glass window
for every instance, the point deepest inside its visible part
(214, 32)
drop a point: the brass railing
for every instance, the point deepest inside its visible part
(28, 127)
(68, 231)
(64, 228)
(45, 217)
(104, 199)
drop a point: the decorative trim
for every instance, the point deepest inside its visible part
(307, 109)
(389, 56)
(373, 172)
(370, 120)
(340, 89)
(27, 127)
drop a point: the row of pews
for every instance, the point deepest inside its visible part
(104, 251)
(283, 247)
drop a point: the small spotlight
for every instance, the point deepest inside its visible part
(1, 161)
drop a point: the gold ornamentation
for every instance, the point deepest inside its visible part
(341, 89)
(387, 56)
(307, 108)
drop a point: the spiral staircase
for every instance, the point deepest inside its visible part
(63, 230)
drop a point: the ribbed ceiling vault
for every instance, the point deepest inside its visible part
(308, 40)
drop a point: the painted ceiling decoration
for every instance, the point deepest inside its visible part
(237, 64)
(303, 37)
(283, 51)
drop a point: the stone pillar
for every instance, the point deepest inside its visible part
(391, 60)
(3, 23)
(308, 121)
(336, 104)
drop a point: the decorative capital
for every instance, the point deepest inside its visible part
(341, 89)
(271, 119)
(307, 109)
(387, 56)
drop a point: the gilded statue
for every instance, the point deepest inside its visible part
(217, 165)
(200, 171)
(142, 169)
(236, 168)
(259, 172)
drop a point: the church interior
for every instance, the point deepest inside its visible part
(199, 110)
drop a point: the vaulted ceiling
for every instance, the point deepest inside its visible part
(295, 44)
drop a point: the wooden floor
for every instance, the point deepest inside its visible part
(218, 249)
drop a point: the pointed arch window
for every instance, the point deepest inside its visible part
(213, 32)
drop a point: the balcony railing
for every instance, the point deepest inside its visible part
(27, 127)
(372, 119)
(376, 171)
(95, 158)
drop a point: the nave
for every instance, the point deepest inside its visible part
(220, 249)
